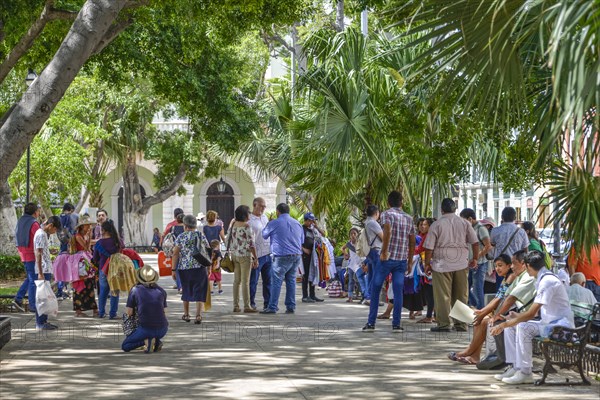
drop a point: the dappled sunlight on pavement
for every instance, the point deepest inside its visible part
(317, 353)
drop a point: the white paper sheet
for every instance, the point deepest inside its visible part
(462, 312)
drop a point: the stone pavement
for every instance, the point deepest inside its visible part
(318, 353)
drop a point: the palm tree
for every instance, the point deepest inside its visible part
(531, 66)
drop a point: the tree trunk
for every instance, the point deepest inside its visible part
(134, 220)
(339, 16)
(33, 110)
(8, 221)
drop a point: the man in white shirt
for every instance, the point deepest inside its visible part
(258, 221)
(578, 292)
(552, 303)
(43, 264)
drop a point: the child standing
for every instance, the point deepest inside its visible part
(215, 274)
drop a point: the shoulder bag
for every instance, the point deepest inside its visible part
(227, 262)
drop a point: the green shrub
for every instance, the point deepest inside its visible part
(11, 267)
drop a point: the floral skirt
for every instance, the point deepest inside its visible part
(86, 299)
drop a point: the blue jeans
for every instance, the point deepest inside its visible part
(24, 286)
(351, 277)
(136, 339)
(397, 268)
(363, 281)
(284, 269)
(594, 288)
(264, 271)
(103, 293)
(476, 281)
(372, 260)
(32, 276)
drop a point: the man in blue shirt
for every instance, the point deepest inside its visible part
(286, 236)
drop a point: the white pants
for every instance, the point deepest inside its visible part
(490, 343)
(519, 347)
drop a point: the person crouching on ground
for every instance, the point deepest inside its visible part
(552, 302)
(148, 301)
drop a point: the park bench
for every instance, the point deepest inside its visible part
(572, 347)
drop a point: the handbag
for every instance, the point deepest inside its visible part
(198, 256)
(227, 262)
(130, 322)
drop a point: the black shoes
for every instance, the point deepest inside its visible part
(289, 311)
(368, 328)
(318, 300)
(308, 300)
(397, 329)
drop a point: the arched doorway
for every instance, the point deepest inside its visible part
(120, 209)
(222, 203)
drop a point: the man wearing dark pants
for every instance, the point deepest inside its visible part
(258, 221)
(447, 254)
(26, 228)
(286, 236)
(308, 289)
(398, 246)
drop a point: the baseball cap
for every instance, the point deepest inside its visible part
(310, 216)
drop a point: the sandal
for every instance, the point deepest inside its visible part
(186, 318)
(466, 360)
(425, 321)
(198, 320)
(383, 316)
(452, 356)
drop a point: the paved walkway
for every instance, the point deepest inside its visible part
(318, 353)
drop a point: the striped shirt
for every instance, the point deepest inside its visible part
(402, 227)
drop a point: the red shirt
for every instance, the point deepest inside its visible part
(27, 253)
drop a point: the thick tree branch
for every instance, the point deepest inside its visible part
(276, 38)
(49, 13)
(114, 31)
(165, 192)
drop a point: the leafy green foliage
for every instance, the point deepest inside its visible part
(11, 267)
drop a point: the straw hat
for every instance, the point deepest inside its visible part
(147, 275)
(85, 220)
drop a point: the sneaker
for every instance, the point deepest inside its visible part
(114, 317)
(268, 311)
(18, 305)
(366, 302)
(368, 328)
(318, 300)
(289, 311)
(220, 292)
(47, 327)
(308, 300)
(397, 329)
(518, 378)
(509, 372)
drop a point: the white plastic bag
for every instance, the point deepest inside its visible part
(45, 300)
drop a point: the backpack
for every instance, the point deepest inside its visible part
(64, 235)
(169, 243)
(362, 244)
(547, 256)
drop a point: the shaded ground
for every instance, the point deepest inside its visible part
(319, 352)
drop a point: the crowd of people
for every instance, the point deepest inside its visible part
(424, 266)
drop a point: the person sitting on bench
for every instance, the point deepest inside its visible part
(552, 303)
